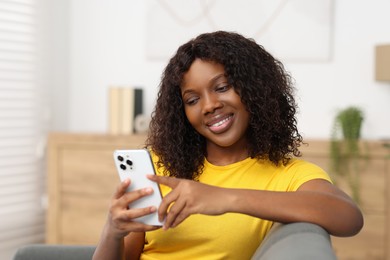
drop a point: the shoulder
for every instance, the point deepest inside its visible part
(302, 165)
(299, 171)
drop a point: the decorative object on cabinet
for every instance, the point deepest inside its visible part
(125, 106)
(382, 62)
(345, 151)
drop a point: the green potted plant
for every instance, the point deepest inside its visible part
(345, 151)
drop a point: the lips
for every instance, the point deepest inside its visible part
(220, 124)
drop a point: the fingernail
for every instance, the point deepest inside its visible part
(148, 190)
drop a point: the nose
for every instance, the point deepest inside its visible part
(211, 102)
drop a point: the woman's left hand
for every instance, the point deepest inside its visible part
(189, 197)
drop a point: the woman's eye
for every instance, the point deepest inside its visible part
(191, 101)
(222, 88)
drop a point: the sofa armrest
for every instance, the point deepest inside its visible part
(303, 241)
(295, 241)
(54, 252)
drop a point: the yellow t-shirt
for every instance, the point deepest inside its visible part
(231, 235)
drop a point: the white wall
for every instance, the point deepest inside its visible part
(106, 45)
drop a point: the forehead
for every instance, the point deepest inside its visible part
(201, 72)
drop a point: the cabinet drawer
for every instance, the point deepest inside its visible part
(87, 170)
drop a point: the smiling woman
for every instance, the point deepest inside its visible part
(223, 138)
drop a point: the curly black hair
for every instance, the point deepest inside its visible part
(265, 89)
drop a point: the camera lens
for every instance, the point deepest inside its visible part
(123, 167)
(120, 158)
(129, 162)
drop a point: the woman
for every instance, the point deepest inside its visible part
(224, 134)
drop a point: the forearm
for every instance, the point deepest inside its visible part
(338, 215)
(316, 201)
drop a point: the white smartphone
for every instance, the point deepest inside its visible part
(135, 165)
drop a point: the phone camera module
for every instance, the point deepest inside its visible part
(129, 162)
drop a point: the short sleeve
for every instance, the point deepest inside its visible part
(300, 171)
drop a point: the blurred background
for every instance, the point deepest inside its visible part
(59, 59)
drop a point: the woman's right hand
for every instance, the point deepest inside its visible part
(121, 218)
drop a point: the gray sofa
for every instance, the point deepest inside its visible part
(294, 241)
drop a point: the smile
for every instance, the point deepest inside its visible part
(221, 122)
(221, 126)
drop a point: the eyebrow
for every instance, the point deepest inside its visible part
(222, 75)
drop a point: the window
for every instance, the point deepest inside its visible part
(22, 128)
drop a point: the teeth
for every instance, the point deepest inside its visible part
(221, 122)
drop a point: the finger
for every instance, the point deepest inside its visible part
(175, 215)
(126, 223)
(140, 227)
(137, 226)
(134, 213)
(180, 218)
(165, 203)
(121, 189)
(167, 181)
(132, 196)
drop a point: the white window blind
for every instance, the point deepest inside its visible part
(22, 177)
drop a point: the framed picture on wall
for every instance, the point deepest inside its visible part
(293, 30)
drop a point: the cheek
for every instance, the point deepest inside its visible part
(192, 116)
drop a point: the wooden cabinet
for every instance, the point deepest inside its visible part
(82, 178)
(373, 241)
(81, 181)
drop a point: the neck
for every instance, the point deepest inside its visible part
(226, 155)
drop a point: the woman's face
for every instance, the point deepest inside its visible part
(212, 106)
